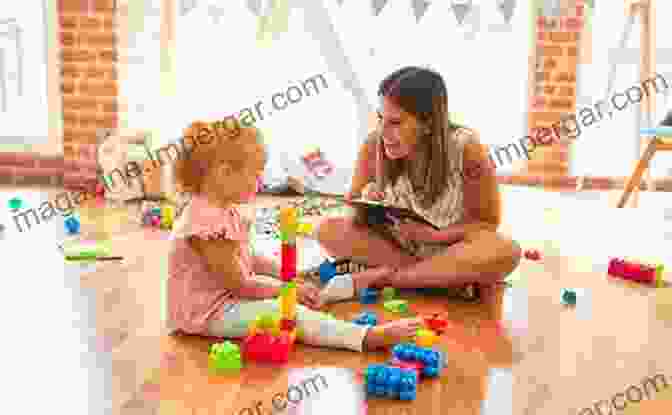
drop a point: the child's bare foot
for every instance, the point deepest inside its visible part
(394, 332)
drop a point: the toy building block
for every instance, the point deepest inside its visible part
(368, 296)
(396, 306)
(426, 338)
(635, 271)
(267, 348)
(72, 225)
(568, 297)
(436, 323)
(532, 254)
(389, 293)
(305, 229)
(167, 217)
(391, 382)
(367, 318)
(15, 203)
(432, 360)
(224, 357)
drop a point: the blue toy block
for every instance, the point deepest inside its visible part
(72, 225)
(327, 271)
(391, 382)
(368, 296)
(367, 318)
(432, 360)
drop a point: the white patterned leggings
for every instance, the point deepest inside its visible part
(313, 327)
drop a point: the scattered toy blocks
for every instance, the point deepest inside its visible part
(391, 382)
(72, 225)
(568, 297)
(368, 296)
(389, 293)
(396, 306)
(431, 359)
(367, 318)
(224, 357)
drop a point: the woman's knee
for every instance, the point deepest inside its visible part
(507, 252)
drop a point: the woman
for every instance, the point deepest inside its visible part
(417, 159)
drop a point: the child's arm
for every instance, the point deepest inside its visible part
(223, 259)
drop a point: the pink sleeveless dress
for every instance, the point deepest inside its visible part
(195, 295)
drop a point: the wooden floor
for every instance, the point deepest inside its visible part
(541, 358)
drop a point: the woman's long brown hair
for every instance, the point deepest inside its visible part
(422, 93)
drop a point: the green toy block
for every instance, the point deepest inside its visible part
(389, 293)
(225, 357)
(660, 270)
(396, 306)
(15, 203)
(284, 288)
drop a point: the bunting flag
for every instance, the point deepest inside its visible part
(185, 6)
(461, 8)
(340, 2)
(254, 6)
(506, 7)
(419, 9)
(378, 6)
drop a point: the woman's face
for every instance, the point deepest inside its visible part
(399, 130)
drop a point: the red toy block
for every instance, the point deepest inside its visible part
(416, 366)
(532, 254)
(288, 265)
(436, 323)
(265, 348)
(632, 271)
(287, 324)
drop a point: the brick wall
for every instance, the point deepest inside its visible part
(88, 38)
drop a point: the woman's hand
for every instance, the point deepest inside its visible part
(416, 231)
(308, 295)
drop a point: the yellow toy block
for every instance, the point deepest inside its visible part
(288, 303)
(305, 229)
(289, 218)
(426, 338)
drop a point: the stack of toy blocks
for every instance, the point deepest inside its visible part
(636, 271)
(275, 346)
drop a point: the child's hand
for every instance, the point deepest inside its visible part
(308, 295)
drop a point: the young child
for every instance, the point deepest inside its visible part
(214, 287)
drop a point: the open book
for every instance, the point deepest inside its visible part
(384, 211)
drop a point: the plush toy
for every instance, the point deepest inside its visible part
(221, 173)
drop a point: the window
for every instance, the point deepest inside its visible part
(24, 105)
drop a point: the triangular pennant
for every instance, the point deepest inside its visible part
(419, 8)
(506, 7)
(254, 6)
(461, 8)
(186, 6)
(216, 12)
(378, 6)
(340, 2)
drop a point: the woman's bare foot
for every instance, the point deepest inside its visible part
(394, 332)
(372, 277)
